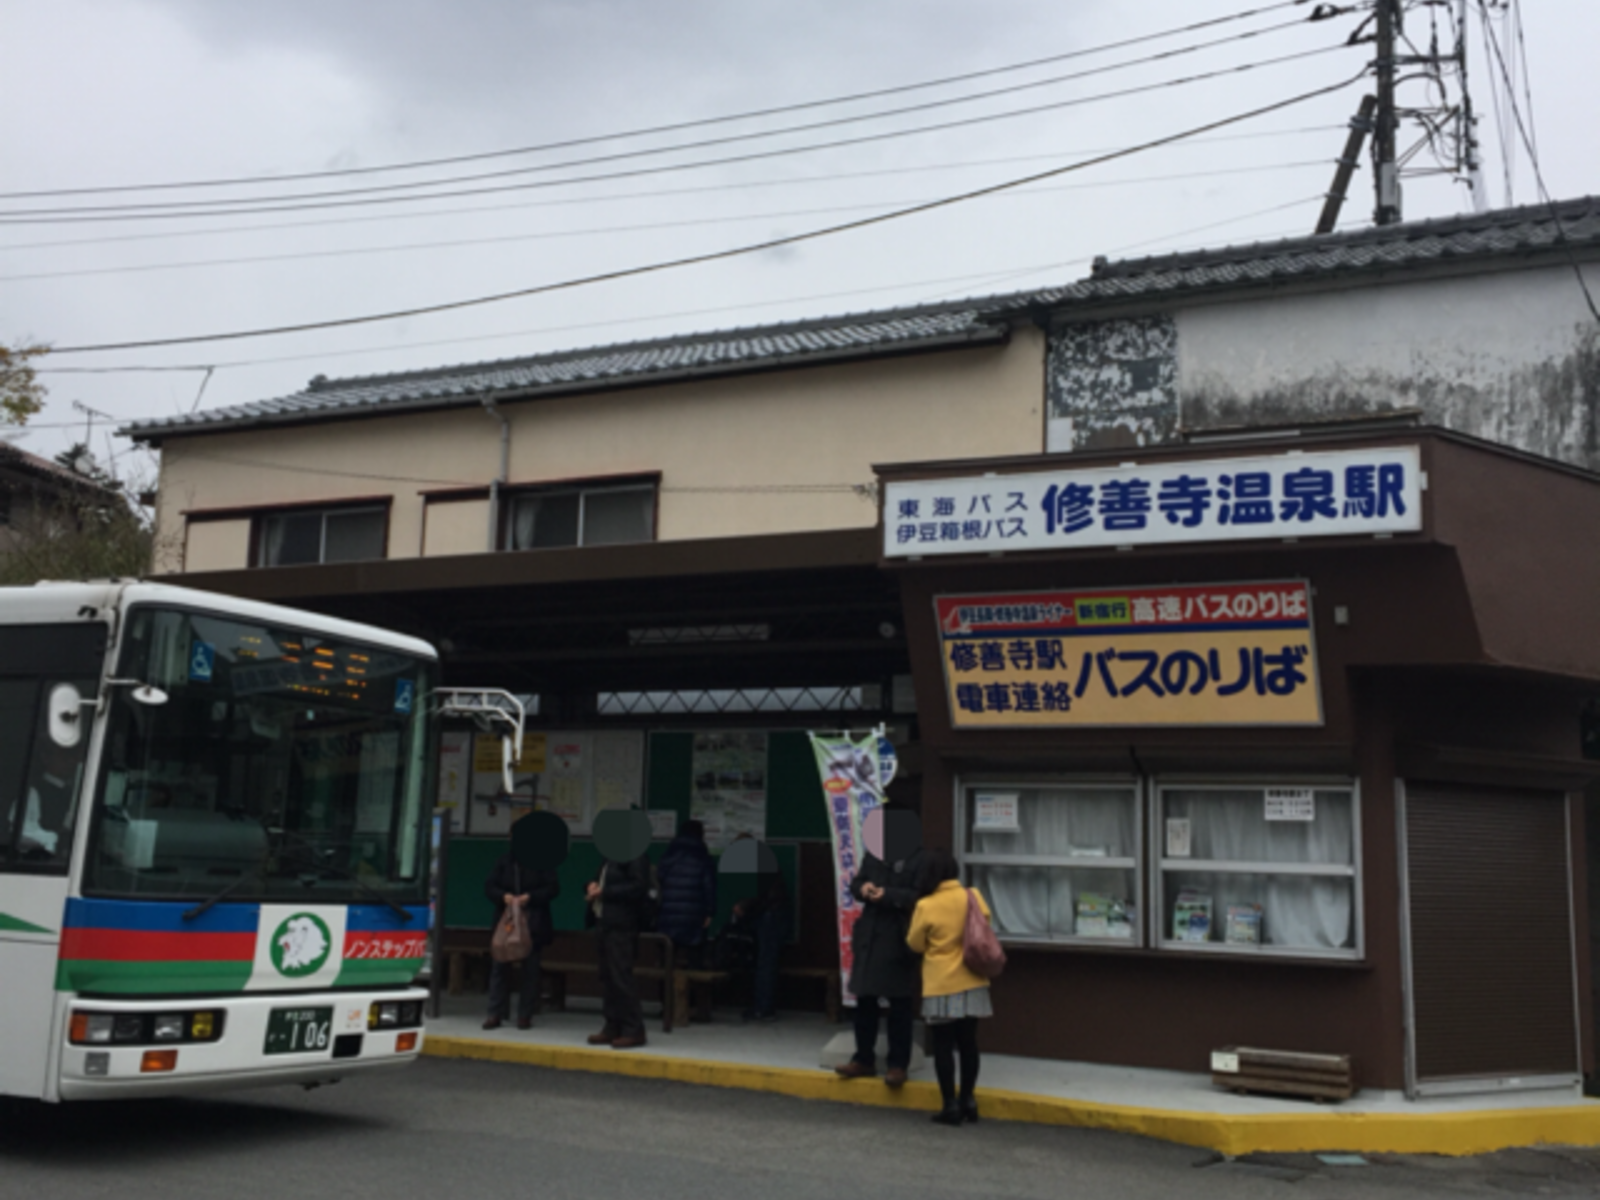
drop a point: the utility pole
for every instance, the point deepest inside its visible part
(1472, 162)
(1385, 169)
(1360, 126)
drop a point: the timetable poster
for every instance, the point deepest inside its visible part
(730, 786)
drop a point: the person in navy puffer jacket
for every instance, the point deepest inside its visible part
(688, 878)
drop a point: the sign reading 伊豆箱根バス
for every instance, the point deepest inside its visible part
(1300, 495)
(1218, 654)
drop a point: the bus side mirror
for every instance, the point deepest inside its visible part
(66, 724)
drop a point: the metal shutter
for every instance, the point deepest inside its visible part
(1490, 935)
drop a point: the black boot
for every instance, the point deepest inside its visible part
(950, 1114)
(969, 1109)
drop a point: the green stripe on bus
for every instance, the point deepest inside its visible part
(10, 924)
(141, 978)
(364, 972)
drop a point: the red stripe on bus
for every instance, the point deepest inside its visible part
(137, 945)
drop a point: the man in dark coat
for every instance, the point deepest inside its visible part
(617, 899)
(511, 883)
(687, 875)
(884, 967)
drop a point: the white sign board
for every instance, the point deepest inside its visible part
(1327, 493)
(995, 812)
(1291, 804)
(663, 823)
(1178, 837)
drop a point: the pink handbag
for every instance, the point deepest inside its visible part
(980, 949)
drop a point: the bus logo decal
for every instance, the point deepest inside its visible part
(300, 945)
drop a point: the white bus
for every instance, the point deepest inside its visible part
(213, 856)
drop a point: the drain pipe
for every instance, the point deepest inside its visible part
(499, 480)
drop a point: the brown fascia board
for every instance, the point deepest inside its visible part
(987, 334)
(511, 568)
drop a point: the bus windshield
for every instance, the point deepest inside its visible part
(281, 765)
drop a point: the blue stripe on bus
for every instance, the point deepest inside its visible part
(380, 918)
(161, 916)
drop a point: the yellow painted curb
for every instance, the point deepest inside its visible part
(1453, 1133)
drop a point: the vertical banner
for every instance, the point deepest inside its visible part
(854, 773)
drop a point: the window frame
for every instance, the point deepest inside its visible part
(1160, 939)
(512, 495)
(259, 518)
(1137, 864)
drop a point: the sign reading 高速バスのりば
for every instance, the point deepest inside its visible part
(1218, 654)
(1300, 495)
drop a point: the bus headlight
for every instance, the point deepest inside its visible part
(127, 1027)
(203, 1026)
(169, 1028)
(88, 1028)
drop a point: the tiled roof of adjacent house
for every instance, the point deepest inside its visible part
(14, 459)
(1506, 234)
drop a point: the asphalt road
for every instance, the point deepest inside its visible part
(475, 1131)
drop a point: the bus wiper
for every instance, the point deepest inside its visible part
(330, 869)
(199, 910)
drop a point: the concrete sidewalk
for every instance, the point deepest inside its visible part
(784, 1057)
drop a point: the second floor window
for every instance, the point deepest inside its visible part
(322, 536)
(585, 516)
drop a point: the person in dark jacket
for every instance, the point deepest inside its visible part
(687, 876)
(883, 966)
(511, 883)
(617, 899)
(767, 914)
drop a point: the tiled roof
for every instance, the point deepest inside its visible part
(13, 458)
(1501, 234)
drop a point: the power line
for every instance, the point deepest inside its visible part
(654, 194)
(671, 128)
(607, 230)
(718, 255)
(8, 219)
(1538, 172)
(988, 278)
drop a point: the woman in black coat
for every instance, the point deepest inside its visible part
(512, 883)
(883, 966)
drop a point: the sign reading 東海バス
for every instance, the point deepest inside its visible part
(1299, 495)
(1219, 654)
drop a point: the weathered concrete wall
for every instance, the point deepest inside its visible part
(1513, 357)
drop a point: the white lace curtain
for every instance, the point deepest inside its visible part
(1305, 911)
(1071, 823)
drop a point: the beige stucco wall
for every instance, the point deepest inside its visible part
(220, 545)
(453, 528)
(771, 453)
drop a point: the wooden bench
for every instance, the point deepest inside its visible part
(831, 990)
(1316, 1077)
(692, 981)
(556, 971)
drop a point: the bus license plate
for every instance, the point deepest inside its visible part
(299, 1030)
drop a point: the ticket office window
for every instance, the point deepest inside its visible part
(1258, 869)
(1058, 862)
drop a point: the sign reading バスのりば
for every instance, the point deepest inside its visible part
(1218, 654)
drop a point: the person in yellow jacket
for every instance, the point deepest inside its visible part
(953, 998)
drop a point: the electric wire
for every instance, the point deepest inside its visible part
(1538, 172)
(653, 194)
(752, 114)
(965, 122)
(629, 155)
(611, 230)
(718, 255)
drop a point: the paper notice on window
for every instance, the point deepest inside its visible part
(995, 812)
(566, 798)
(1178, 837)
(663, 824)
(1291, 804)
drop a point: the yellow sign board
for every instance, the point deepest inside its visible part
(486, 754)
(1232, 654)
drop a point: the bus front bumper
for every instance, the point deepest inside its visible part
(309, 1038)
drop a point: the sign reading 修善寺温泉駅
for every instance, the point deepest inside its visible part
(1214, 654)
(1299, 495)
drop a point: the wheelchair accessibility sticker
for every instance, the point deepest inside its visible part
(202, 661)
(405, 694)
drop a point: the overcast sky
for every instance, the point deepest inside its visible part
(96, 93)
